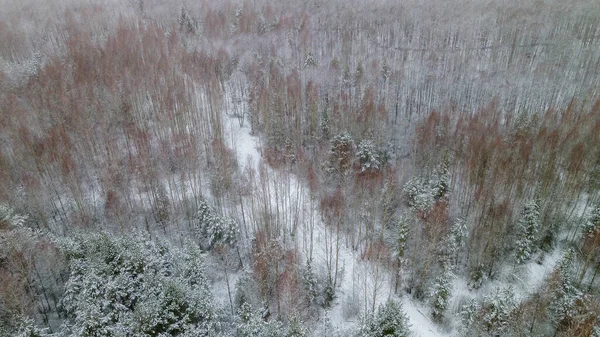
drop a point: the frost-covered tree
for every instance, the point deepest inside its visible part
(325, 125)
(296, 328)
(30, 269)
(161, 207)
(134, 286)
(457, 239)
(389, 320)
(592, 223)
(213, 228)
(368, 156)
(419, 193)
(9, 218)
(311, 285)
(252, 324)
(442, 185)
(246, 290)
(490, 316)
(400, 243)
(341, 153)
(310, 60)
(590, 250)
(29, 329)
(527, 230)
(441, 293)
(563, 294)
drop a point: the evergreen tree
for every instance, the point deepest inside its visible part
(310, 283)
(592, 223)
(458, 236)
(390, 321)
(419, 193)
(324, 124)
(400, 243)
(441, 293)
(528, 227)
(29, 329)
(340, 155)
(252, 325)
(296, 328)
(489, 317)
(246, 290)
(9, 218)
(442, 186)
(563, 295)
(134, 286)
(213, 229)
(367, 156)
(310, 60)
(328, 295)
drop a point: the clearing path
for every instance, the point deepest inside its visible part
(358, 280)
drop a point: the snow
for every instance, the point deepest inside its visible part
(523, 281)
(243, 143)
(420, 323)
(357, 277)
(360, 277)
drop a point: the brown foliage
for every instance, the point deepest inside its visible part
(332, 206)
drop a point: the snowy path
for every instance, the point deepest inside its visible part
(358, 276)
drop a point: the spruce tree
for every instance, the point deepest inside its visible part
(390, 321)
(564, 294)
(367, 156)
(527, 230)
(296, 328)
(310, 283)
(441, 293)
(592, 223)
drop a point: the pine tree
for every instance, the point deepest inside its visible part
(458, 235)
(296, 328)
(161, 208)
(419, 193)
(596, 332)
(340, 155)
(490, 316)
(310, 60)
(441, 293)
(9, 218)
(367, 156)
(592, 223)
(324, 125)
(390, 321)
(310, 283)
(29, 329)
(250, 324)
(563, 295)
(214, 229)
(528, 227)
(442, 186)
(400, 243)
(134, 286)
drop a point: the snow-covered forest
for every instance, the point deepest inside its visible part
(240, 168)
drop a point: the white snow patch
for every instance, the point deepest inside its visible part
(418, 317)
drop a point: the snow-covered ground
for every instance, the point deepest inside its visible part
(357, 277)
(362, 281)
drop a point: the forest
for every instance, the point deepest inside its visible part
(261, 168)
